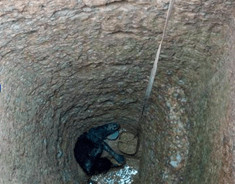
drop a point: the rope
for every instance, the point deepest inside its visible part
(154, 69)
(152, 77)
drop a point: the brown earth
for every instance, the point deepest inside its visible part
(66, 66)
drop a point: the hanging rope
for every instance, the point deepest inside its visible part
(151, 78)
(154, 69)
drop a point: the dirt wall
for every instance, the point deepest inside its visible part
(66, 66)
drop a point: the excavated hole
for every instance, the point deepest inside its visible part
(68, 66)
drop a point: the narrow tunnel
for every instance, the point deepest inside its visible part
(67, 66)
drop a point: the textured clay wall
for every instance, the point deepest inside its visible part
(66, 66)
(190, 106)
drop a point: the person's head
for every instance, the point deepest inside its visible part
(101, 132)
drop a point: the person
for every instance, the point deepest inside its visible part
(89, 147)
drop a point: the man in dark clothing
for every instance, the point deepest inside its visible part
(89, 147)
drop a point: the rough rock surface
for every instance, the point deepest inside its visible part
(66, 66)
(128, 143)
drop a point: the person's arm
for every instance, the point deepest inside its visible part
(119, 158)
